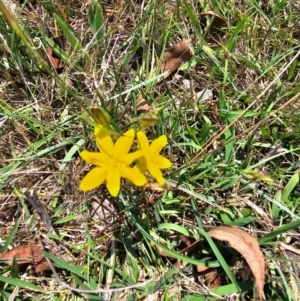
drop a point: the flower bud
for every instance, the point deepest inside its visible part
(147, 120)
(100, 116)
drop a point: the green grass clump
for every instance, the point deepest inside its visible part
(235, 159)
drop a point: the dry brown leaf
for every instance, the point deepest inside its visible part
(57, 63)
(142, 104)
(212, 278)
(192, 245)
(187, 240)
(155, 187)
(30, 253)
(175, 56)
(248, 246)
(201, 268)
(215, 32)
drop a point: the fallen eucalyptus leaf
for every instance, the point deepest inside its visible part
(246, 245)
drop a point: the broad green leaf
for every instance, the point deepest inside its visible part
(294, 180)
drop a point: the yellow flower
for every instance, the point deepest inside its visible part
(113, 163)
(100, 132)
(152, 160)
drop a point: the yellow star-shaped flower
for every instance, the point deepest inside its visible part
(113, 163)
(151, 159)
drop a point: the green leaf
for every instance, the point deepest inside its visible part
(96, 20)
(224, 290)
(174, 227)
(57, 50)
(294, 180)
(231, 42)
(68, 32)
(11, 235)
(22, 284)
(14, 269)
(64, 265)
(68, 157)
(212, 264)
(283, 229)
(66, 219)
(220, 259)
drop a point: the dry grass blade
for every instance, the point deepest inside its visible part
(175, 56)
(248, 246)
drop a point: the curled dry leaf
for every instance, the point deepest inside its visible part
(142, 104)
(214, 30)
(57, 63)
(211, 276)
(248, 246)
(175, 56)
(30, 254)
(191, 245)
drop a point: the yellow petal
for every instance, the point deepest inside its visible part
(156, 173)
(98, 159)
(124, 143)
(143, 142)
(113, 180)
(129, 158)
(157, 145)
(133, 175)
(105, 145)
(97, 129)
(163, 162)
(100, 132)
(142, 165)
(93, 179)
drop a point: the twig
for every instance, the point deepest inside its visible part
(34, 201)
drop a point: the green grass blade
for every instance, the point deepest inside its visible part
(221, 259)
(68, 32)
(11, 236)
(290, 186)
(96, 20)
(22, 284)
(281, 230)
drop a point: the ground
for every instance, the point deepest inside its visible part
(229, 107)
